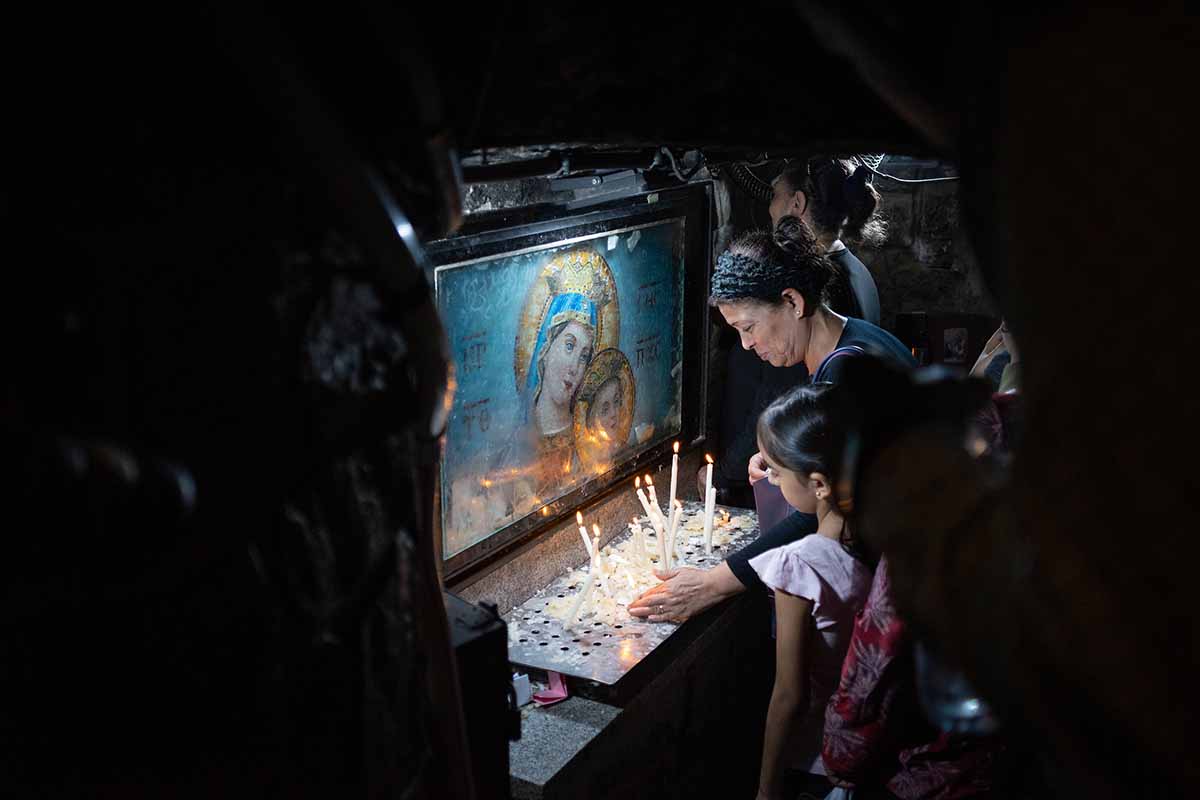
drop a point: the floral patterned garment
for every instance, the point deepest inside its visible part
(875, 734)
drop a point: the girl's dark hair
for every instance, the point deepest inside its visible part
(805, 431)
(843, 204)
(759, 266)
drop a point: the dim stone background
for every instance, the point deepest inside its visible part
(925, 265)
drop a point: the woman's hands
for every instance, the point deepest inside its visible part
(684, 593)
(757, 468)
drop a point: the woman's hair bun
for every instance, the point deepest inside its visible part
(795, 237)
(862, 222)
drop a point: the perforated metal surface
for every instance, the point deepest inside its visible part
(596, 650)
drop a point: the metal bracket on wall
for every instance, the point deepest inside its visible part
(600, 186)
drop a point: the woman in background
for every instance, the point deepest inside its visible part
(833, 197)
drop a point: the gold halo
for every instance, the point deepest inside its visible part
(607, 364)
(581, 270)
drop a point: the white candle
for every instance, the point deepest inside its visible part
(676, 515)
(708, 478)
(639, 544)
(587, 543)
(580, 599)
(650, 490)
(649, 509)
(710, 503)
(667, 550)
(600, 561)
(662, 521)
(674, 475)
(662, 549)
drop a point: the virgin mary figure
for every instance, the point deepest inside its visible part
(570, 312)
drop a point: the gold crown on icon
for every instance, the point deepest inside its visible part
(581, 272)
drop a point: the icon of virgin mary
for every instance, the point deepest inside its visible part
(570, 312)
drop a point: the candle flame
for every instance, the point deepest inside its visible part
(486, 483)
(545, 510)
(596, 530)
(566, 467)
(677, 448)
(649, 481)
(604, 435)
(708, 458)
(579, 517)
(637, 482)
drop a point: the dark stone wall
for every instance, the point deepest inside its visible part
(926, 264)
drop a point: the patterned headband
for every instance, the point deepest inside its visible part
(736, 273)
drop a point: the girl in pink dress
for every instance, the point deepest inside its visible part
(819, 582)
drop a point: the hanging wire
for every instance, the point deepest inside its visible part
(870, 160)
(872, 163)
(675, 165)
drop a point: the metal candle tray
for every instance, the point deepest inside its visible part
(597, 651)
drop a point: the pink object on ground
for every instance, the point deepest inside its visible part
(556, 693)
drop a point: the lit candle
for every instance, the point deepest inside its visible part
(674, 475)
(600, 561)
(650, 489)
(649, 509)
(662, 522)
(587, 543)
(710, 503)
